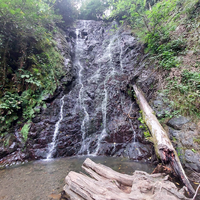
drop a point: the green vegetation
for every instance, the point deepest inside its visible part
(170, 31)
(130, 91)
(194, 150)
(174, 139)
(25, 130)
(145, 129)
(179, 151)
(147, 134)
(66, 8)
(197, 140)
(93, 9)
(30, 63)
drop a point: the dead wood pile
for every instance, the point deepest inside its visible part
(107, 184)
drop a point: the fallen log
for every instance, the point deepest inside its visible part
(162, 144)
(108, 184)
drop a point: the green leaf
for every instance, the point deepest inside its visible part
(12, 12)
(3, 5)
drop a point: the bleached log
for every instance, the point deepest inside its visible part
(90, 189)
(162, 144)
(144, 186)
(108, 173)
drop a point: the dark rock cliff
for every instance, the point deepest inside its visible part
(101, 62)
(99, 112)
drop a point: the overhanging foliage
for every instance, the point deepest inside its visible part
(30, 63)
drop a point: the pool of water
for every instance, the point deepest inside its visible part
(44, 180)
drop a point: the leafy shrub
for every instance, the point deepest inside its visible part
(191, 78)
(28, 56)
(9, 106)
(25, 130)
(10, 102)
(93, 9)
(185, 93)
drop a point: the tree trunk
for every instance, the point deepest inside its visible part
(163, 146)
(5, 63)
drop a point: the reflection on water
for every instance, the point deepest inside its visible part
(43, 180)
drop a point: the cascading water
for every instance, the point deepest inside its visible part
(104, 111)
(121, 44)
(79, 46)
(52, 145)
(95, 117)
(105, 100)
(134, 134)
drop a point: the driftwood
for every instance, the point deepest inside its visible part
(108, 184)
(162, 144)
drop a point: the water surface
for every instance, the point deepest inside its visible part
(44, 180)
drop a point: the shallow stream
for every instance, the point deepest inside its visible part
(44, 180)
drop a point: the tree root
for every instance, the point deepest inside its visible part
(196, 192)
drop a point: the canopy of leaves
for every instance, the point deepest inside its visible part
(131, 10)
(93, 9)
(68, 11)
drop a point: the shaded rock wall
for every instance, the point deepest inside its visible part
(183, 133)
(102, 60)
(110, 58)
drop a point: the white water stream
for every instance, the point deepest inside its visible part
(53, 143)
(112, 70)
(105, 100)
(84, 125)
(121, 44)
(134, 134)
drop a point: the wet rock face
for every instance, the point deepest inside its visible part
(13, 158)
(102, 62)
(184, 141)
(95, 120)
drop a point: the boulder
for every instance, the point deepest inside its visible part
(192, 160)
(178, 122)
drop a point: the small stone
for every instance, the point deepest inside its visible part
(174, 133)
(193, 126)
(41, 153)
(160, 107)
(13, 147)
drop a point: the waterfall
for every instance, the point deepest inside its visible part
(79, 45)
(86, 115)
(104, 112)
(100, 63)
(95, 117)
(105, 100)
(121, 52)
(134, 134)
(52, 145)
